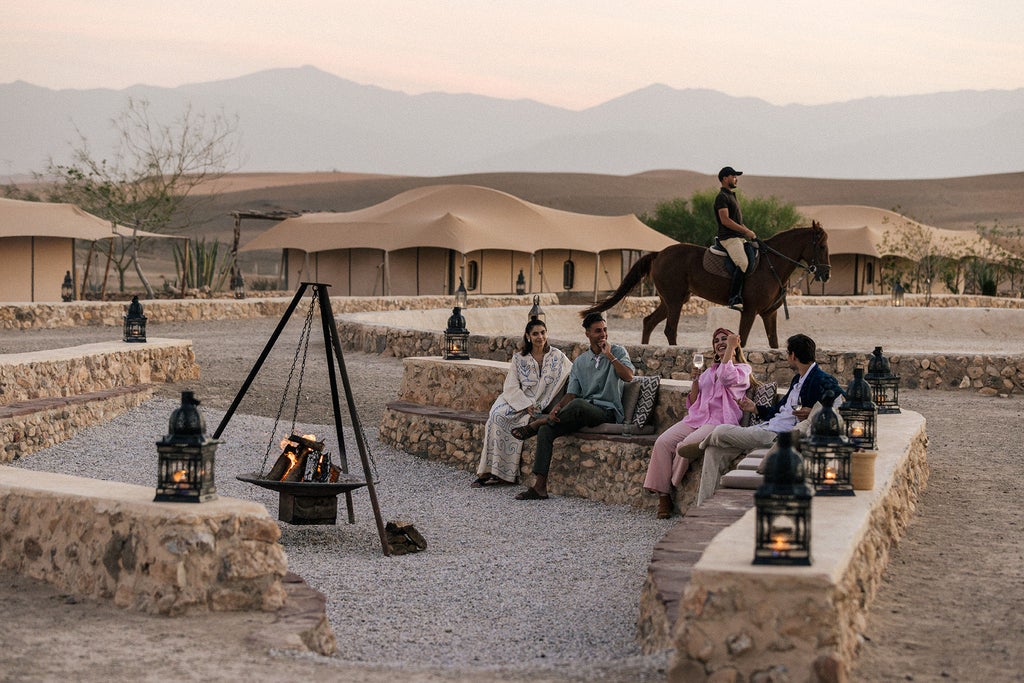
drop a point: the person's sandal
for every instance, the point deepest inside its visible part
(664, 506)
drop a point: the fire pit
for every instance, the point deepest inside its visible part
(306, 480)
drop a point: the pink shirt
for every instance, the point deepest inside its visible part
(721, 386)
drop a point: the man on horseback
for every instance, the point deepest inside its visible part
(732, 234)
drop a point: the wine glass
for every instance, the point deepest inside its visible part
(698, 360)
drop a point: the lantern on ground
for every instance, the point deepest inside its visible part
(185, 457)
(521, 283)
(827, 452)
(135, 322)
(860, 412)
(783, 503)
(536, 312)
(238, 285)
(885, 386)
(456, 337)
(67, 288)
(898, 294)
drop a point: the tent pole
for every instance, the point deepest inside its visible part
(533, 260)
(386, 285)
(597, 269)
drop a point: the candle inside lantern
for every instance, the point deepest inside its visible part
(180, 477)
(857, 429)
(830, 475)
(782, 538)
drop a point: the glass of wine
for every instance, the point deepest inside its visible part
(698, 360)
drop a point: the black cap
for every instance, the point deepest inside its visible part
(728, 170)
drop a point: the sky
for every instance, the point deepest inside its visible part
(568, 53)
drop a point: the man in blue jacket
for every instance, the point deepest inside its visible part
(808, 387)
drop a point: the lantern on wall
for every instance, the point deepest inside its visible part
(456, 337)
(898, 294)
(461, 295)
(827, 452)
(860, 412)
(238, 285)
(783, 503)
(885, 386)
(568, 274)
(521, 283)
(135, 322)
(185, 457)
(536, 312)
(67, 288)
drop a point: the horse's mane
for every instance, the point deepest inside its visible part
(815, 226)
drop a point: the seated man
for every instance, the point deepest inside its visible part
(726, 441)
(593, 396)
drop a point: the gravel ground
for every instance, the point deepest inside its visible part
(506, 591)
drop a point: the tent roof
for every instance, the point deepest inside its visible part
(872, 231)
(44, 219)
(460, 217)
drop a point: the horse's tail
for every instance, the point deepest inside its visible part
(637, 273)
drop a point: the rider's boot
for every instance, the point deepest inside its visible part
(736, 291)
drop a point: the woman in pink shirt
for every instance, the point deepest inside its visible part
(712, 401)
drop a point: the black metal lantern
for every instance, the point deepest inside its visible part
(783, 502)
(456, 337)
(185, 457)
(521, 283)
(898, 294)
(238, 285)
(461, 295)
(860, 412)
(67, 288)
(135, 322)
(884, 385)
(536, 312)
(827, 452)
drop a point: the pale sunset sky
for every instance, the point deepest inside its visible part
(569, 53)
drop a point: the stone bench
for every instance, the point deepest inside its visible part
(731, 620)
(442, 407)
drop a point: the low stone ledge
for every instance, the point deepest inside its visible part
(738, 621)
(109, 540)
(94, 367)
(31, 426)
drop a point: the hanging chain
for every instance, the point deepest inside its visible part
(300, 349)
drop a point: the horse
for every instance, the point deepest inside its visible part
(678, 272)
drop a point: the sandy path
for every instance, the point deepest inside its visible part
(951, 607)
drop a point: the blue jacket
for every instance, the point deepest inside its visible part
(817, 384)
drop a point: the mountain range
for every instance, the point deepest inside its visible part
(303, 119)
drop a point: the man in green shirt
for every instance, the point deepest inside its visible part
(593, 396)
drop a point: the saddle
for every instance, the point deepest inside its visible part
(717, 261)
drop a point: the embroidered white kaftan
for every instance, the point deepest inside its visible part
(526, 384)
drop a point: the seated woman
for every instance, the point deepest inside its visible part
(712, 401)
(535, 377)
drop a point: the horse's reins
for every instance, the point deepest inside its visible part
(812, 269)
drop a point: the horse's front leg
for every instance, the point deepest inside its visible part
(746, 322)
(771, 327)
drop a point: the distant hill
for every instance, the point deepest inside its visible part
(303, 119)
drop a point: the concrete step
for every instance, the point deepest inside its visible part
(741, 479)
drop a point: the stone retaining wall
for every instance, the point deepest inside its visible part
(94, 367)
(31, 426)
(743, 622)
(108, 540)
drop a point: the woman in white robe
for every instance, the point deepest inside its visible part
(534, 378)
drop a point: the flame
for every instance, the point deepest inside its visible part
(179, 476)
(293, 462)
(294, 452)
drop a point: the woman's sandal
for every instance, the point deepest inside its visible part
(524, 432)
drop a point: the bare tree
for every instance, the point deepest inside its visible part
(154, 168)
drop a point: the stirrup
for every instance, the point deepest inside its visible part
(736, 304)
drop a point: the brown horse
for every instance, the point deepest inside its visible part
(678, 272)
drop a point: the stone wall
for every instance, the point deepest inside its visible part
(94, 367)
(738, 621)
(108, 540)
(31, 426)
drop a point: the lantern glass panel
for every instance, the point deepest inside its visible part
(456, 345)
(860, 426)
(828, 464)
(783, 530)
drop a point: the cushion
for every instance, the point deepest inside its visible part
(646, 391)
(764, 395)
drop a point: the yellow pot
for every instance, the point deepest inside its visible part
(862, 470)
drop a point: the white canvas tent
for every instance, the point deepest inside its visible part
(409, 240)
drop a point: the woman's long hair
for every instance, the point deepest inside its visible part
(527, 344)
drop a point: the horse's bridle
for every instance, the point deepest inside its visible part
(819, 271)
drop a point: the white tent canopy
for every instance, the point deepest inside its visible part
(464, 218)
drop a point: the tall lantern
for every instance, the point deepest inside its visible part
(783, 502)
(67, 288)
(827, 452)
(860, 412)
(461, 295)
(456, 337)
(884, 384)
(521, 283)
(536, 313)
(135, 322)
(898, 294)
(185, 457)
(238, 284)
